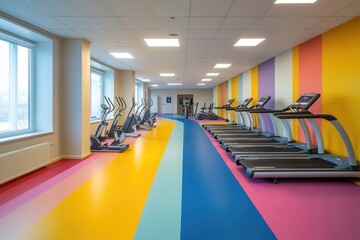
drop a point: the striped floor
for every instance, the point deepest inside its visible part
(174, 182)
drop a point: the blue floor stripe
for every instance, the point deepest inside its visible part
(214, 205)
(161, 217)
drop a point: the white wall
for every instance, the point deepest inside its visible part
(200, 96)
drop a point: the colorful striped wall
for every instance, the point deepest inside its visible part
(327, 64)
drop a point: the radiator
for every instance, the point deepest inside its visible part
(21, 161)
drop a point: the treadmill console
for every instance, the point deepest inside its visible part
(229, 102)
(304, 102)
(245, 103)
(262, 101)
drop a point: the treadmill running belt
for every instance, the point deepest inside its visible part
(279, 148)
(273, 164)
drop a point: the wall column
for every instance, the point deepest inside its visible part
(75, 99)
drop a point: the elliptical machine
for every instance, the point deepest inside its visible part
(95, 140)
(130, 127)
(116, 130)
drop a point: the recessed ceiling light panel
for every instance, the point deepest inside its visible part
(248, 42)
(206, 79)
(167, 42)
(212, 74)
(294, 1)
(174, 84)
(154, 85)
(167, 74)
(201, 84)
(124, 55)
(222, 65)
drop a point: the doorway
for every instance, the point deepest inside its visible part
(180, 99)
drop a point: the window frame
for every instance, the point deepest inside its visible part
(14, 42)
(102, 75)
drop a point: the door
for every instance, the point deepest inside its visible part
(180, 99)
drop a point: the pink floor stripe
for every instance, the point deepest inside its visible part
(302, 208)
(31, 210)
(32, 193)
(16, 187)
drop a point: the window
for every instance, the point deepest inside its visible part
(15, 87)
(97, 93)
(138, 92)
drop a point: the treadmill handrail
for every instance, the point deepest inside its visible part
(332, 119)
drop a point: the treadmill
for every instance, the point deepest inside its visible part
(227, 104)
(320, 165)
(242, 129)
(301, 105)
(211, 127)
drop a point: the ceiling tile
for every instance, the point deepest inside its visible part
(173, 24)
(239, 22)
(118, 33)
(55, 8)
(91, 33)
(170, 8)
(202, 34)
(215, 8)
(249, 8)
(126, 8)
(76, 22)
(47, 23)
(285, 10)
(20, 10)
(351, 10)
(205, 22)
(66, 33)
(331, 22)
(229, 34)
(107, 22)
(139, 22)
(326, 8)
(92, 7)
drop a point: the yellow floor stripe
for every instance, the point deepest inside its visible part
(110, 204)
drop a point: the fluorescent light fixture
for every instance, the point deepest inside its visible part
(201, 84)
(206, 79)
(294, 1)
(154, 85)
(122, 55)
(248, 42)
(174, 84)
(212, 74)
(145, 80)
(170, 42)
(222, 65)
(167, 74)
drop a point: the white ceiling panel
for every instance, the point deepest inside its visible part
(67, 33)
(47, 23)
(239, 22)
(107, 22)
(91, 33)
(139, 22)
(249, 8)
(197, 49)
(285, 10)
(118, 33)
(76, 22)
(205, 22)
(20, 10)
(351, 10)
(331, 22)
(172, 23)
(326, 7)
(55, 8)
(170, 8)
(92, 7)
(202, 8)
(229, 34)
(133, 8)
(202, 34)
(299, 22)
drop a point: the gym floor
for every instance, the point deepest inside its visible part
(174, 182)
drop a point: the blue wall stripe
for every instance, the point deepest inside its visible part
(161, 217)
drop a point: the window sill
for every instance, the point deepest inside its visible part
(23, 136)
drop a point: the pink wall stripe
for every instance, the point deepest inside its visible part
(310, 74)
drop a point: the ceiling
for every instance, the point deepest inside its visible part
(207, 31)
